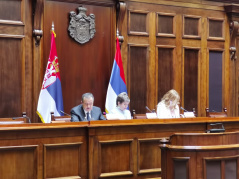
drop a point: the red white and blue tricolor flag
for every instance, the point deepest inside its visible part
(117, 82)
(50, 98)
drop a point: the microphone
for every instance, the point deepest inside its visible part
(216, 130)
(29, 120)
(64, 113)
(183, 109)
(24, 116)
(148, 109)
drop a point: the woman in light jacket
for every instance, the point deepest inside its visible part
(122, 103)
(168, 106)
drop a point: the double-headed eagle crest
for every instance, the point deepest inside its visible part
(52, 72)
(82, 27)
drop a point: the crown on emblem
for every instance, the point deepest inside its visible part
(82, 9)
(56, 64)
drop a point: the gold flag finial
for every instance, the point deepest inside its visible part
(52, 29)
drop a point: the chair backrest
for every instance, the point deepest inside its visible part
(59, 119)
(216, 114)
(138, 116)
(16, 120)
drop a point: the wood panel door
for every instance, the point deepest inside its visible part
(15, 58)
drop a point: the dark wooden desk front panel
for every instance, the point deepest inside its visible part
(43, 151)
(98, 149)
(201, 156)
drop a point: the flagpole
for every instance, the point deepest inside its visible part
(52, 26)
(117, 33)
(53, 29)
(51, 100)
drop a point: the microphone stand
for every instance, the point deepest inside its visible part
(183, 109)
(64, 113)
(148, 109)
(24, 116)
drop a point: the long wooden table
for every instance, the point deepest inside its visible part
(96, 149)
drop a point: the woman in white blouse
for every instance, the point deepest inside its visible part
(122, 103)
(168, 106)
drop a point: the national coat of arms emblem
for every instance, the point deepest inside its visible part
(82, 27)
(52, 72)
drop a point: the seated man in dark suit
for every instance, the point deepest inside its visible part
(86, 111)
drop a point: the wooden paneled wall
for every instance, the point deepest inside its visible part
(170, 45)
(83, 67)
(167, 44)
(15, 57)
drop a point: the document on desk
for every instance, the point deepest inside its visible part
(188, 114)
(151, 115)
(112, 117)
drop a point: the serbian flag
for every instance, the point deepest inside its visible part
(50, 98)
(117, 83)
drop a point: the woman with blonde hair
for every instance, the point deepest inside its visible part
(168, 106)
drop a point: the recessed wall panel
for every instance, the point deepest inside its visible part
(138, 78)
(231, 169)
(10, 77)
(165, 71)
(59, 157)
(138, 22)
(180, 169)
(149, 154)
(14, 10)
(213, 169)
(215, 81)
(190, 79)
(215, 28)
(19, 162)
(165, 24)
(115, 157)
(191, 26)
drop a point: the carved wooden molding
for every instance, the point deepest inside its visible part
(233, 15)
(234, 30)
(37, 32)
(120, 10)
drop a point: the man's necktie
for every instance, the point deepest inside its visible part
(88, 116)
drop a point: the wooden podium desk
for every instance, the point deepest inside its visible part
(96, 149)
(200, 156)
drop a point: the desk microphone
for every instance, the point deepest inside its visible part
(29, 120)
(24, 116)
(183, 109)
(148, 109)
(64, 113)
